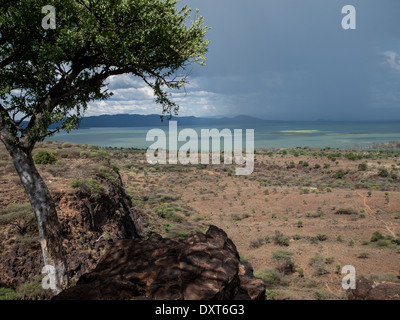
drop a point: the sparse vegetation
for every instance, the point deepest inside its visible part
(176, 200)
(20, 216)
(44, 157)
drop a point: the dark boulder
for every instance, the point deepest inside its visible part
(368, 290)
(200, 267)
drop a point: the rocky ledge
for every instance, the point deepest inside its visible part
(199, 267)
(368, 290)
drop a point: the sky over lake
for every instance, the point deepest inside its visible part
(285, 60)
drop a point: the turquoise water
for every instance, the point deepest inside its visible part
(271, 135)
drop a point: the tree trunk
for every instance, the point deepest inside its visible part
(46, 216)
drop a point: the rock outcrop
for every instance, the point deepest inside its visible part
(199, 267)
(368, 290)
(89, 228)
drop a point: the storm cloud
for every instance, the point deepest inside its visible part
(286, 60)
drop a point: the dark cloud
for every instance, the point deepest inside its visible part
(292, 60)
(286, 59)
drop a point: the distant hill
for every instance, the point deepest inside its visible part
(136, 120)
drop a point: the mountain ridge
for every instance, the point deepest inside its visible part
(136, 120)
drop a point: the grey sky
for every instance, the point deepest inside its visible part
(289, 60)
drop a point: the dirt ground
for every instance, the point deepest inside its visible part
(322, 203)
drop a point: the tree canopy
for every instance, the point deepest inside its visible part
(48, 76)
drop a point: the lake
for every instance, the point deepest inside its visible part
(269, 135)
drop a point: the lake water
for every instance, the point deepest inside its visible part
(271, 135)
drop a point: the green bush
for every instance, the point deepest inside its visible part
(382, 243)
(300, 224)
(280, 239)
(108, 173)
(90, 187)
(319, 268)
(363, 167)
(348, 211)
(9, 294)
(271, 277)
(44, 157)
(363, 255)
(84, 155)
(339, 174)
(319, 295)
(376, 236)
(270, 294)
(383, 173)
(396, 241)
(19, 215)
(76, 184)
(284, 260)
(33, 290)
(322, 236)
(169, 212)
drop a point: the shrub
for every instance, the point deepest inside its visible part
(33, 290)
(382, 243)
(317, 262)
(319, 295)
(108, 173)
(44, 157)
(329, 260)
(238, 216)
(271, 277)
(8, 294)
(66, 145)
(177, 234)
(346, 211)
(90, 187)
(19, 215)
(169, 212)
(280, 239)
(319, 268)
(271, 294)
(84, 155)
(376, 236)
(300, 224)
(322, 236)
(383, 173)
(305, 191)
(284, 260)
(99, 155)
(363, 167)
(339, 174)
(76, 184)
(256, 243)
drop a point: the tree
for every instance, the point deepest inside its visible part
(48, 77)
